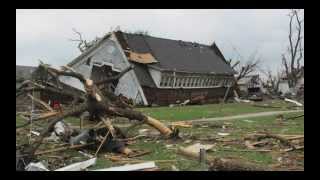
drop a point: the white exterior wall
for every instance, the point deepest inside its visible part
(156, 76)
(110, 53)
(284, 87)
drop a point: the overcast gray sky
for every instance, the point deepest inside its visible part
(45, 34)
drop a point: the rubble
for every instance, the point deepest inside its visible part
(131, 167)
(101, 136)
(100, 105)
(79, 166)
(36, 167)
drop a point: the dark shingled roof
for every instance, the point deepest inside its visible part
(179, 55)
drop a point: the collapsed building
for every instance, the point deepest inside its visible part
(23, 73)
(165, 71)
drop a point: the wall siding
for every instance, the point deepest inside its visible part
(170, 96)
(108, 52)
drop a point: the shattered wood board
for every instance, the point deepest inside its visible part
(131, 167)
(195, 148)
(78, 166)
(144, 58)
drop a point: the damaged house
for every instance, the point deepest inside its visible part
(165, 71)
(284, 87)
(23, 73)
(250, 85)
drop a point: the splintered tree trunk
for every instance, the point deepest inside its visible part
(159, 126)
(135, 115)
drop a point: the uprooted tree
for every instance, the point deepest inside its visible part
(100, 105)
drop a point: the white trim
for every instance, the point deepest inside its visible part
(113, 37)
(197, 87)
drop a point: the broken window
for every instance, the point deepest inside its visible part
(198, 81)
(187, 81)
(183, 82)
(161, 81)
(170, 81)
(178, 81)
(215, 82)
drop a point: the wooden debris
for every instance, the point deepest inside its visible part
(132, 167)
(97, 103)
(266, 106)
(139, 154)
(223, 134)
(45, 105)
(62, 149)
(295, 148)
(184, 124)
(36, 167)
(109, 126)
(132, 138)
(78, 166)
(248, 150)
(293, 101)
(102, 142)
(294, 117)
(151, 169)
(159, 126)
(195, 148)
(221, 164)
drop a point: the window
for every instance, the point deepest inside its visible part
(179, 81)
(225, 81)
(189, 82)
(174, 81)
(201, 82)
(216, 81)
(198, 81)
(162, 81)
(209, 82)
(170, 81)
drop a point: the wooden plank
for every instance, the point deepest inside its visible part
(41, 102)
(78, 166)
(63, 148)
(131, 167)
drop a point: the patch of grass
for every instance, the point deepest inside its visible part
(261, 158)
(237, 130)
(73, 120)
(19, 121)
(205, 111)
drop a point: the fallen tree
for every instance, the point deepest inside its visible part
(99, 104)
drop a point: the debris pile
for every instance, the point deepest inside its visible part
(101, 106)
(272, 142)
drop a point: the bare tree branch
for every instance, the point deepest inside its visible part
(292, 64)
